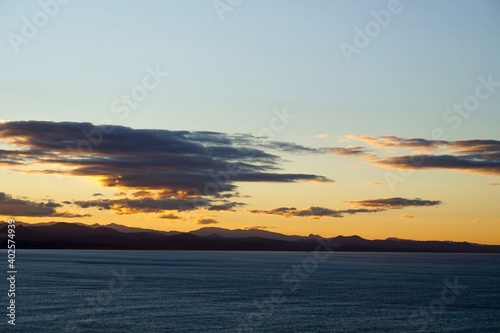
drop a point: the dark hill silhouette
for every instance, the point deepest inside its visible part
(61, 235)
(243, 233)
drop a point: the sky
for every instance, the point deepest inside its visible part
(370, 118)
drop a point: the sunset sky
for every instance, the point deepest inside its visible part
(371, 118)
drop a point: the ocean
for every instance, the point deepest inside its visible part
(200, 291)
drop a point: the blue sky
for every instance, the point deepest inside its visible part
(233, 75)
(230, 74)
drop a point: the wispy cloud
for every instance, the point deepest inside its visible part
(166, 202)
(396, 142)
(361, 206)
(394, 203)
(10, 206)
(470, 163)
(205, 221)
(347, 151)
(258, 227)
(145, 204)
(312, 212)
(477, 156)
(169, 217)
(227, 206)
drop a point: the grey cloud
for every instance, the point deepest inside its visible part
(10, 206)
(195, 163)
(393, 203)
(207, 221)
(365, 206)
(472, 163)
(312, 212)
(477, 156)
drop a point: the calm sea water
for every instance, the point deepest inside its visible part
(175, 291)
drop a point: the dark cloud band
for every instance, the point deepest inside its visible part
(196, 163)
